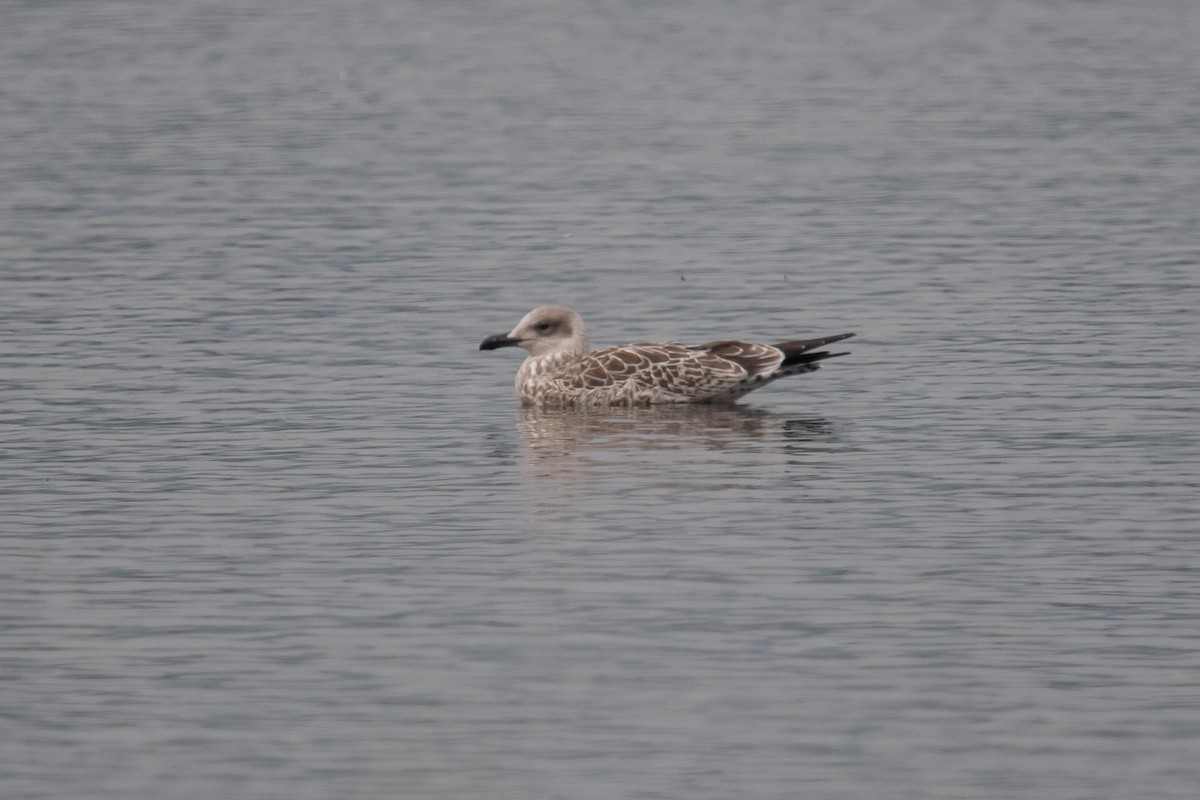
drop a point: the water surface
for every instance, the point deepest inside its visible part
(273, 527)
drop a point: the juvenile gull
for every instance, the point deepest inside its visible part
(563, 370)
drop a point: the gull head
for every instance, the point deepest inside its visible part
(547, 330)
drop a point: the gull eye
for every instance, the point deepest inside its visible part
(542, 327)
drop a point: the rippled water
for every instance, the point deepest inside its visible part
(273, 527)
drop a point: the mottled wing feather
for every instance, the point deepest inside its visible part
(756, 359)
(676, 372)
(612, 366)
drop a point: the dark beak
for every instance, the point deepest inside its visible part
(498, 341)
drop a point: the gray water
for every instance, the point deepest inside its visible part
(274, 528)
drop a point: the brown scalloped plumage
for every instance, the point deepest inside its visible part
(563, 371)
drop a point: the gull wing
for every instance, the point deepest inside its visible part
(671, 371)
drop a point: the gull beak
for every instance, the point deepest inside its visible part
(498, 341)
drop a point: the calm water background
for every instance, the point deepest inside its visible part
(272, 527)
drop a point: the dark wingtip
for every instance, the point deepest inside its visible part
(801, 352)
(801, 345)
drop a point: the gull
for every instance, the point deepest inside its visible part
(563, 370)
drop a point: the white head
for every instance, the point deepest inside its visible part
(544, 331)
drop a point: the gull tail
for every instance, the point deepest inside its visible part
(800, 352)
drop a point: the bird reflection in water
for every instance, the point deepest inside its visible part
(564, 442)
